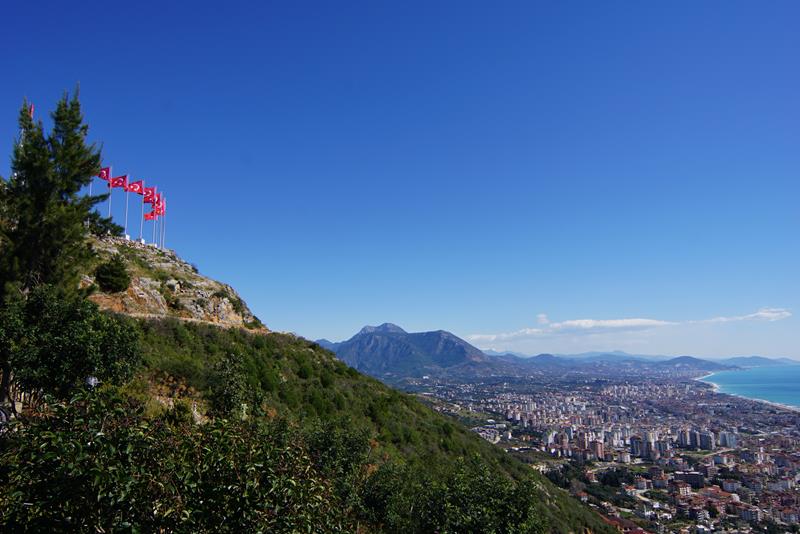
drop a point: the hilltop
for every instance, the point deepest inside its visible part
(164, 286)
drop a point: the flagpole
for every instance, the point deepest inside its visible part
(110, 174)
(154, 228)
(164, 224)
(125, 190)
(141, 221)
(160, 225)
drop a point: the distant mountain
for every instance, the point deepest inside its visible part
(594, 356)
(385, 328)
(606, 360)
(613, 356)
(756, 361)
(389, 350)
(392, 354)
(490, 352)
(547, 359)
(325, 344)
(690, 362)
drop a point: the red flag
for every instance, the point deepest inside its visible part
(149, 194)
(135, 187)
(152, 216)
(160, 210)
(119, 181)
(157, 201)
(105, 173)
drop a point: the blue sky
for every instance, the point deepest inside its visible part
(538, 176)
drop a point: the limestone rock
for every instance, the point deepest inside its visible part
(163, 285)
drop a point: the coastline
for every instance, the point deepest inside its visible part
(718, 391)
(704, 381)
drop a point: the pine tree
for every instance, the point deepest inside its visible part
(112, 276)
(43, 236)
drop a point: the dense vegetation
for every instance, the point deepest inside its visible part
(112, 276)
(201, 429)
(284, 376)
(55, 342)
(98, 463)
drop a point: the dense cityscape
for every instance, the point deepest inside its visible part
(659, 453)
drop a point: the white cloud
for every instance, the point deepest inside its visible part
(595, 324)
(764, 314)
(577, 327)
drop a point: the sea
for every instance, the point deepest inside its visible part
(779, 383)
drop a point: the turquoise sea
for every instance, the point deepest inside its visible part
(779, 383)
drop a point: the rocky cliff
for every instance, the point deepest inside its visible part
(163, 285)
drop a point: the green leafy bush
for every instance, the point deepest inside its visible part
(112, 276)
(59, 340)
(95, 464)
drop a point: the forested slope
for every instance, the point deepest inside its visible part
(287, 376)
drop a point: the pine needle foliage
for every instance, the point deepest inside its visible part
(43, 211)
(112, 276)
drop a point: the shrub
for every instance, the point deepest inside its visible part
(61, 340)
(96, 464)
(112, 276)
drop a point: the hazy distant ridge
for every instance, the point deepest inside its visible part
(388, 351)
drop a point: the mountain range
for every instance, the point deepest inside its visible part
(387, 351)
(618, 355)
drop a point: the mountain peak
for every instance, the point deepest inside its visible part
(386, 328)
(388, 350)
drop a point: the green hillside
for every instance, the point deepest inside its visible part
(292, 377)
(230, 430)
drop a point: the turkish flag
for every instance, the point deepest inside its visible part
(160, 210)
(119, 181)
(105, 173)
(157, 200)
(135, 187)
(149, 194)
(152, 216)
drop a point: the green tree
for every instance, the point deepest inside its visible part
(43, 220)
(59, 340)
(112, 276)
(43, 214)
(103, 226)
(228, 385)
